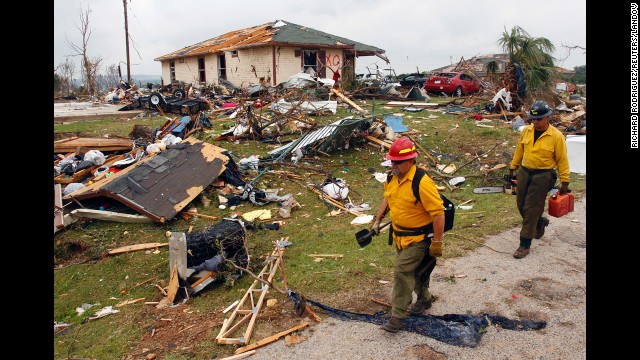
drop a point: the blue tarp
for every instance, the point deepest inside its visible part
(395, 122)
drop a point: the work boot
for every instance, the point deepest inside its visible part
(521, 252)
(420, 305)
(543, 222)
(393, 325)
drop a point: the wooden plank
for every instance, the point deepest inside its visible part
(113, 216)
(412, 104)
(208, 275)
(270, 339)
(136, 247)
(129, 302)
(58, 216)
(493, 116)
(101, 144)
(378, 141)
(251, 314)
(173, 285)
(572, 116)
(348, 101)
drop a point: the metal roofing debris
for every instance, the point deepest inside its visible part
(327, 139)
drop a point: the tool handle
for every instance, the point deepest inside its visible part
(371, 233)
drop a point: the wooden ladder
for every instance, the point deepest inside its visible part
(248, 308)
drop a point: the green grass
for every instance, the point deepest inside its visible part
(346, 283)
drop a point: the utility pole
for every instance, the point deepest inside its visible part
(126, 34)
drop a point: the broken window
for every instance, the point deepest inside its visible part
(222, 67)
(201, 73)
(310, 61)
(172, 71)
(234, 53)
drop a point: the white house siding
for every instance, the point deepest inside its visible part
(188, 70)
(240, 69)
(287, 63)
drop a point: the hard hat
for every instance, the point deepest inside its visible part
(402, 149)
(539, 109)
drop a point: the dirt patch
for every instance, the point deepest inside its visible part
(549, 290)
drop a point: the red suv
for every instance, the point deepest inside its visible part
(454, 83)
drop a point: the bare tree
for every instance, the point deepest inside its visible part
(65, 71)
(108, 80)
(90, 67)
(569, 49)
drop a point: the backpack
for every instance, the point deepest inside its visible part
(449, 208)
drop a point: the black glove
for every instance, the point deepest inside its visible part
(512, 173)
(375, 227)
(564, 188)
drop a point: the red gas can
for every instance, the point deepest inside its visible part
(559, 205)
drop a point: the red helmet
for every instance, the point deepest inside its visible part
(402, 149)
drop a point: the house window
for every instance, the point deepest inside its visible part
(201, 73)
(222, 67)
(234, 53)
(172, 71)
(310, 61)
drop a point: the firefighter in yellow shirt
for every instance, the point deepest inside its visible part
(540, 150)
(416, 230)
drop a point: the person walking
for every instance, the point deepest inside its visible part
(416, 230)
(540, 150)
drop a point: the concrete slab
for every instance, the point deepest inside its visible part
(84, 111)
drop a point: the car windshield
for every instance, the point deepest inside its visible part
(449, 75)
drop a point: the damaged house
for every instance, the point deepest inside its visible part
(265, 54)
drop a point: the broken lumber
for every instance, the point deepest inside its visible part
(136, 247)
(129, 302)
(186, 215)
(173, 285)
(112, 216)
(378, 141)
(348, 101)
(493, 116)
(270, 339)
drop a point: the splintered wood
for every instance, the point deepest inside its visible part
(247, 309)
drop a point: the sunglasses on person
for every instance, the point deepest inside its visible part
(397, 162)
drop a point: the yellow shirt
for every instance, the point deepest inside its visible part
(404, 212)
(548, 152)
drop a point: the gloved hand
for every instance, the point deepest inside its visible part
(435, 249)
(512, 173)
(375, 227)
(564, 188)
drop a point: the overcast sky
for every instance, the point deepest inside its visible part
(416, 34)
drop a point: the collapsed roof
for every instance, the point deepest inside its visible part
(278, 32)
